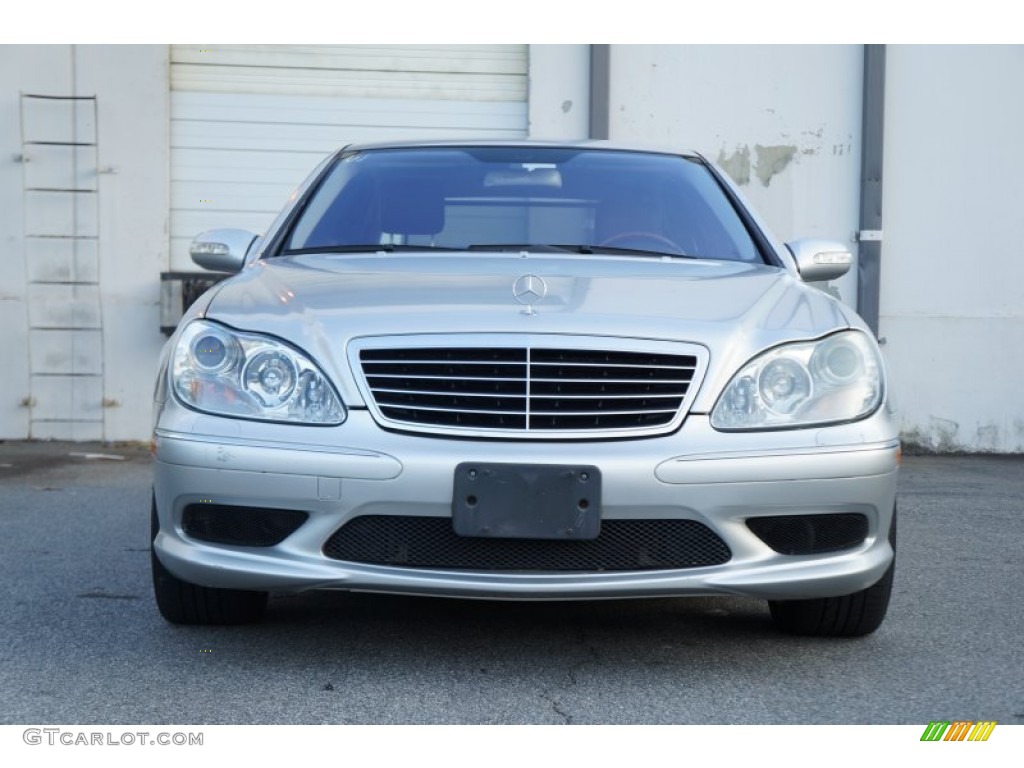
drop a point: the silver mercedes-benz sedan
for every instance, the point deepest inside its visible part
(522, 370)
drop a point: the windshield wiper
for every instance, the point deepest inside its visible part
(517, 247)
(628, 251)
(368, 248)
(485, 247)
(572, 248)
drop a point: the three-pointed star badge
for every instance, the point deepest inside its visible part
(529, 289)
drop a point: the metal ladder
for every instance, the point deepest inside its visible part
(61, 246)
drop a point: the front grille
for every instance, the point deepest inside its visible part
(623, 545)
(810, 534)
(240, 526)
(527, 389)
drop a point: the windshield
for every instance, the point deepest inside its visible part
(496, 198)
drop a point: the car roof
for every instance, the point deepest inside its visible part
(597, 144)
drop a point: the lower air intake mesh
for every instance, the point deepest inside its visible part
(240, 526)
(623, 545)
(810, 534)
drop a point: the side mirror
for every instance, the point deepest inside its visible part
(820, 260)
(222, 250)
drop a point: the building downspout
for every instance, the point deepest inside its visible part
(870, 235)
(600, 84)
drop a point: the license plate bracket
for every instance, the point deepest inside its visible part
(527, 501)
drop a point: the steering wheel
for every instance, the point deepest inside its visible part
(653, 237)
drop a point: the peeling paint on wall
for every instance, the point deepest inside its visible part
(772, 160)
(737, 165)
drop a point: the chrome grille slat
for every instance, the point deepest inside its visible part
(520, 395)
(405, 406)
(445, 392)
(542, 380)
(597, 413)
(442, 378)
(539, 380)
(448, 363)
(535, 397)
(529, 390)
(611, 365)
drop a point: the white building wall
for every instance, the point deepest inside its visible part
(952, 295)
(249, 122)
(130, 83)
(22, 69)
(559, 91)
(86, 275)
(783, 121)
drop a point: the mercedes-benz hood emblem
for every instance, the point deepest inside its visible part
(529, 290)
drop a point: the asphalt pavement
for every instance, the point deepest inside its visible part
(81, 641)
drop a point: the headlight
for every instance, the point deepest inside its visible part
(833, 380)
(228, 373)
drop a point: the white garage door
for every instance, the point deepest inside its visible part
(248, 122)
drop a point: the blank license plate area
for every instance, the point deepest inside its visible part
(527, 501)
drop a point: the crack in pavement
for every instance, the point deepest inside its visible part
(556, 706)
(572, 674)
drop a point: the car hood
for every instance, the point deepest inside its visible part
(321, 302)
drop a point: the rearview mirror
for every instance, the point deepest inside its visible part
(222, 250)
(533, 176)
(820, 260)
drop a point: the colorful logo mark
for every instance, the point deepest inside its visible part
(958, 730)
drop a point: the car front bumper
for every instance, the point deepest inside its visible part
(339, 473)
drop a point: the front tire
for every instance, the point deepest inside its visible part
(846, 616)
(181, 602)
